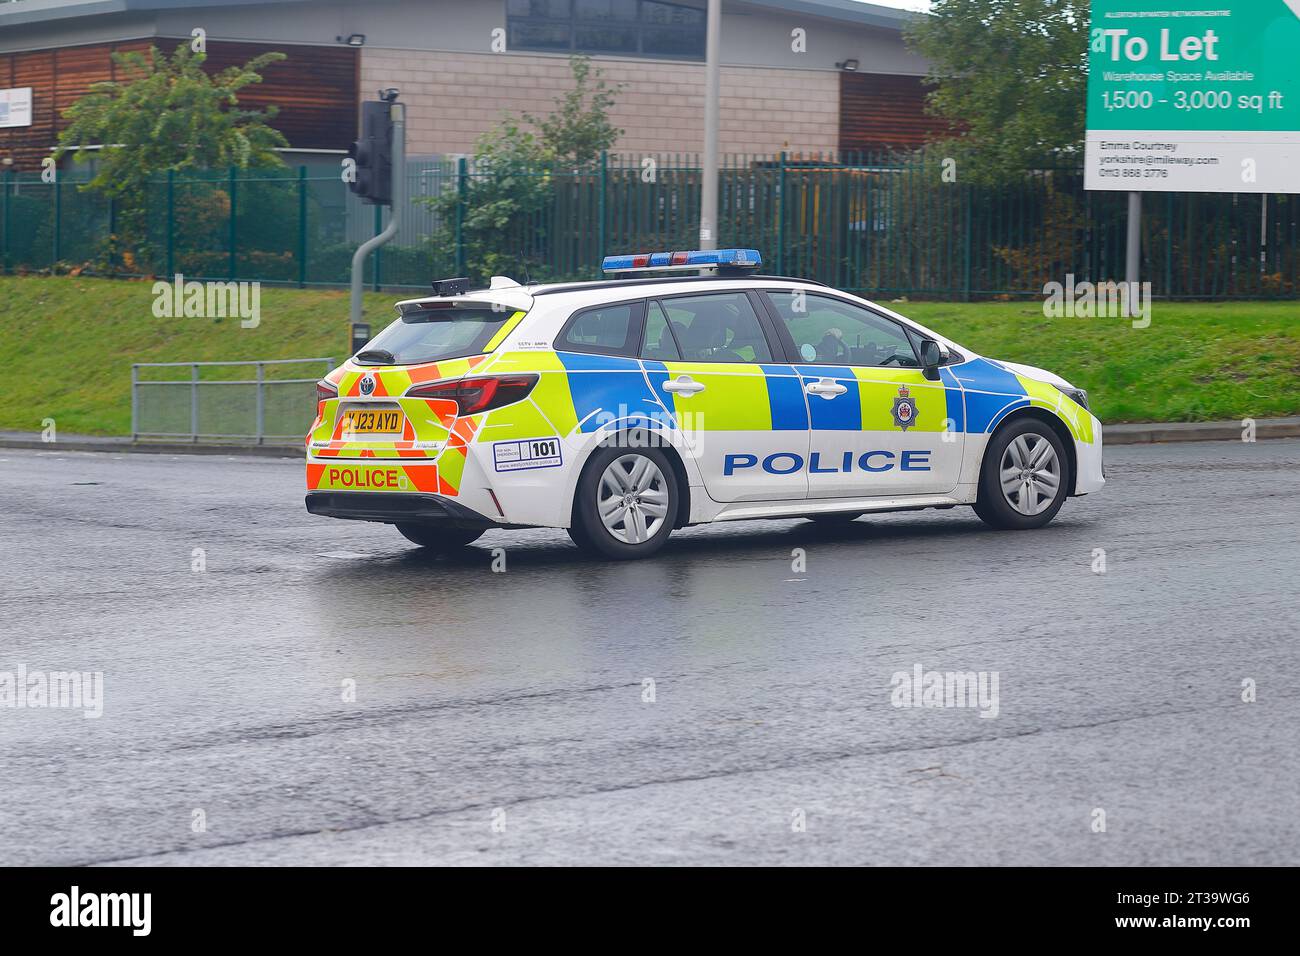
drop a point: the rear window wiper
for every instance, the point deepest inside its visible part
(377, 357)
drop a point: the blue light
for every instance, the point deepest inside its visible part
(695, 259)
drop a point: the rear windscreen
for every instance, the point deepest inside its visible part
(431, 335)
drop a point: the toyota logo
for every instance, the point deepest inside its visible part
(367, 384)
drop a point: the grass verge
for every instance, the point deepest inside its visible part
(71, 343)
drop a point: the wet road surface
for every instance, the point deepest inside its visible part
(324, 692)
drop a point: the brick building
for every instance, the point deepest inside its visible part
(801, 75)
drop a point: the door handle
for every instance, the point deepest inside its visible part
(827, 388)
(683, 385)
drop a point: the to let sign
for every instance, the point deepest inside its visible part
(1194, 97)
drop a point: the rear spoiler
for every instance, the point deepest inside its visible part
(422, 305)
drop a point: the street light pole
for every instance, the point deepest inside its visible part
(712, 84)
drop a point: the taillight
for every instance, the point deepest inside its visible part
(474, 395)
(326, 391)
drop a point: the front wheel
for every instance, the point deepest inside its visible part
(625, 503)
(1025, 476)
(439, 539)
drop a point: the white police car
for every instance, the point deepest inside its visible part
(625, 408)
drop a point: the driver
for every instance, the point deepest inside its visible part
(831, 346)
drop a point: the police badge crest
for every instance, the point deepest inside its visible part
(905, 409)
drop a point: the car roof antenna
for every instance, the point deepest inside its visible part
(524, 262)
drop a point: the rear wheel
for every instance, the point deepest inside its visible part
(625, 503)
(1025, 476)
(437, 538)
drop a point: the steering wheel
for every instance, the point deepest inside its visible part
(896, 357)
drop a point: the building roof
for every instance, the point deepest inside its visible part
(43, 11)
(852, 11)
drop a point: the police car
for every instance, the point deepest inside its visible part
(623, 409)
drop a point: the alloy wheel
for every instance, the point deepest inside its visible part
(632, 499)
(1030, 474)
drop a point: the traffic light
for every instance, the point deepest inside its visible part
(374, 154)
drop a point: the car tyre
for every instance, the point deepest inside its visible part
(437, 538)
(1025, 476)
(625, 503)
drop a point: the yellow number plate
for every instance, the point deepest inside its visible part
(373, 422)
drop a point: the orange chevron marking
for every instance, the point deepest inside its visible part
(424, 477)
(424, 373)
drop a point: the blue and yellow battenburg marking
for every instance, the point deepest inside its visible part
(992, 392)
(597, 392)
(600, 390)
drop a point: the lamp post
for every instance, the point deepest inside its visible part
(709, 183)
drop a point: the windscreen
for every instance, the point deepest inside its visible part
(431, 335)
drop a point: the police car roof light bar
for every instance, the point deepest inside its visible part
(725, 261)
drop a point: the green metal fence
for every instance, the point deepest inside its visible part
(879, 225)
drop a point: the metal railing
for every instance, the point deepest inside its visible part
(882, 225)
(264, 409)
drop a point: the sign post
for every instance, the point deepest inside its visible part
(1133, 246)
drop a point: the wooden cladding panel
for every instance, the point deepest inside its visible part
(880, 111)
(315, 90)
(76, 69)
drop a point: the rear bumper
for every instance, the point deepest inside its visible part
(395, 508)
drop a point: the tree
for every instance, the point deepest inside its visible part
(510, 185)
(1013, 74)
(168, 115)
(579, 130)
(501, 209)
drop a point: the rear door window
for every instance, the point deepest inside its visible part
(717, 327)
(659, 342)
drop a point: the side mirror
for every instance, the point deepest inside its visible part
(931, 358)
